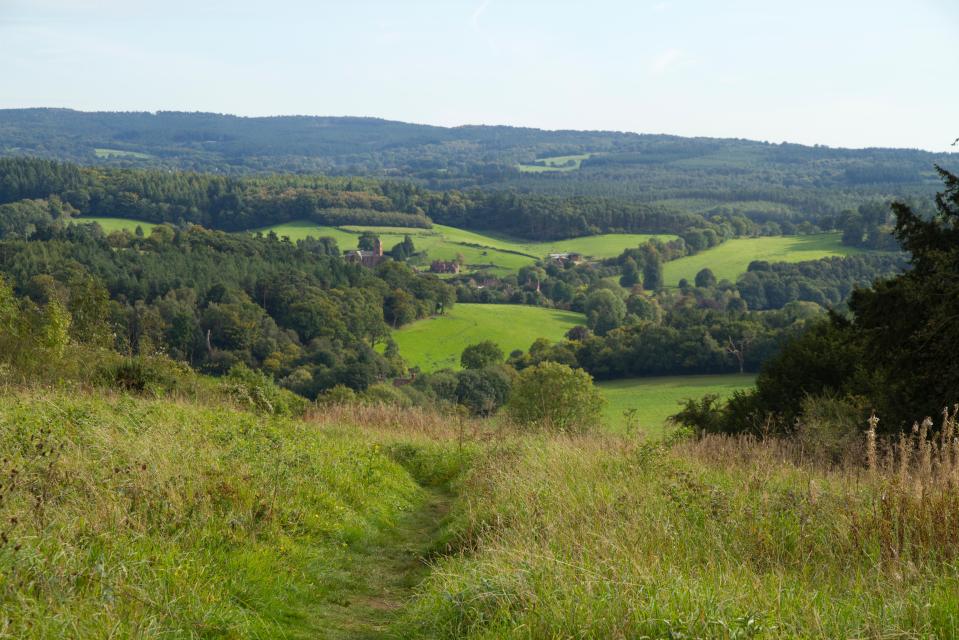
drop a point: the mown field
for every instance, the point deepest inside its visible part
(655, 399)
(437, 343)
(117, 224)
(732, 258)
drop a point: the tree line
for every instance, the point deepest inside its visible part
(297, 312)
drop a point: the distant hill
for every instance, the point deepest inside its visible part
(777, 182)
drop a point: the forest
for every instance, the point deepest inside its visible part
(781, 183)
(233, 204)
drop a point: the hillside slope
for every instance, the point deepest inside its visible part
(125, 517)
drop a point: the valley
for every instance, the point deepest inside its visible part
(353, 378)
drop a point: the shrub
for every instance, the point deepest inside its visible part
(257, 391)
(385, 394)
(483, 391)
(555, 396)
(831, 428)
(138, 375)
(481, 355)
(339, 394)
(704, 415)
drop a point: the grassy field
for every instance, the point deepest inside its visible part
(117, 224)
(720, 538)
(731, 258)
(440, 243)
(134, 518)
(128, 517)
(500, 254)
(120, 153)
(555, 163)
(437, 343)
(655, 399)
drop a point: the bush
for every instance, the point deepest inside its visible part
(137, 375)
(483, 391)
(830, 428)
(336, 395)
(704, 415)
(481, 355)
(385, 394)
(257, 391)
(555, 396)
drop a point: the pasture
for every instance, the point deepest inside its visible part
(555, 163)
(120, 153)
(732, 258)
(497, 253)
(655, 399)
(436, 343)
(110, 225)
(436, 242)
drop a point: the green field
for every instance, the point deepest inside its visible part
(437, 343)
(440, 243)
(655, 399)
(120, 153)
(731, 258)
(500, 254)
(110, 225)
(555, 163)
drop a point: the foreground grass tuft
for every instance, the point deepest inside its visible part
(602, 538)
(131, 518)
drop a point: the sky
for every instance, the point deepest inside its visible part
(840, 72)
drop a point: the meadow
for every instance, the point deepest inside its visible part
(613, 537)
(555, 163)
(120, 153)
(732, 258)
(501, 255)
(128, 517)
(436, 343)
(110, 225)
(655, 399)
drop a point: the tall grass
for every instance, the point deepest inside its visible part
(720, 537)
(123, 517)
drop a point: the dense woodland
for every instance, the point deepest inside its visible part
(246, 203)
(781, 183)
(298, 312)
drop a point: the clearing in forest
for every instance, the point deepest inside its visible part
(732, 258)
(436, 343)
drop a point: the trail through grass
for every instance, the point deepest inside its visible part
(385, 574)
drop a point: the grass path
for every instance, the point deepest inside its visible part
(386, 574)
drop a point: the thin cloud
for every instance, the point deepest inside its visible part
(668, 60)
(477, 14)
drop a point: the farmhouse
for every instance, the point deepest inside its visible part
(444, 266)
(564, 259)
(367, 258)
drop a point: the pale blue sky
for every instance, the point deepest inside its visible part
(843, 73)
